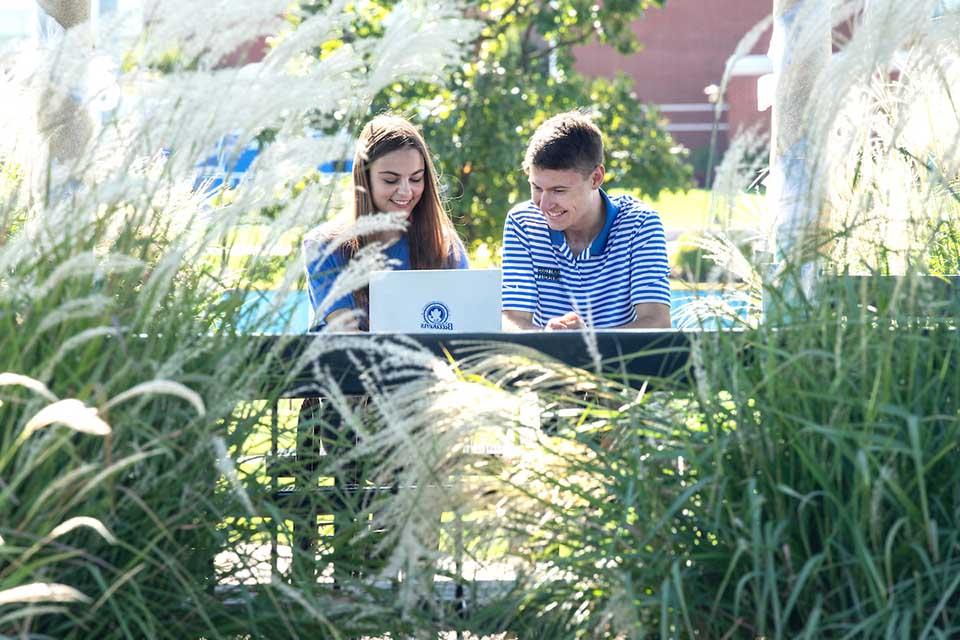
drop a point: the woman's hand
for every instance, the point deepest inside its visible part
(342, 320)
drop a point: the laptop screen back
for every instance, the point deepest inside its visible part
(435, 301)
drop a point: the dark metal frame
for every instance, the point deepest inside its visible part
(633, 357)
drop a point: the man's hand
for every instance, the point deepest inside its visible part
(565, 322)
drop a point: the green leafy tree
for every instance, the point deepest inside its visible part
(522, 73)
(478, 119)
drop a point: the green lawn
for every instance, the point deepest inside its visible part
(694, 211)
(689, 212)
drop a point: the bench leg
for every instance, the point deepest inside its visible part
(322, 437)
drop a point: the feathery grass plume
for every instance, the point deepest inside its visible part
(258, 100)
(290, 45)
(873, 205)
(743, 49)
(423, 437)
(290, 160)
(237, 23)
(316, 246)
(93, 335)
(227, 467)
(41, 592)
(743, 164)
(15, 585)
(90, 265)
(859, 135)
(355, 275)
(122, 279)
(739, 304)
(729, 249)
(420, 37)
(9, 379)
(61, 530)
(71, 413)
(88, 307)
(167, 387)
(803, 485)
(81, 521)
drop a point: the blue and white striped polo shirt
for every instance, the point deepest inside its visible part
(626, 264)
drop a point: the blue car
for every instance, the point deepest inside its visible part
(229, 163)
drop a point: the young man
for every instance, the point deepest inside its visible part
(574, 256)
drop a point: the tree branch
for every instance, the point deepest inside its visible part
(501, 23)
(526, 49)
(560, 44)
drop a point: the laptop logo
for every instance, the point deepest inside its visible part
(436, 316)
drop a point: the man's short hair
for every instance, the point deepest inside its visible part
(567, 141)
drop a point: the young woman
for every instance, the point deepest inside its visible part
(392, 172)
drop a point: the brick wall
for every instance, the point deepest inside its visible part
(685, 48)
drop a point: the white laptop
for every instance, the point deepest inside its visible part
(435, 301)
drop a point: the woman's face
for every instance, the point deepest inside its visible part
(396, 180)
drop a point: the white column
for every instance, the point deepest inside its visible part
(69, 13)
(799, 50)
(63, 123)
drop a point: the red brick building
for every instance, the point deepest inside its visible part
(686, 45)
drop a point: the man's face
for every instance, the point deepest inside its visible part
(564, 196)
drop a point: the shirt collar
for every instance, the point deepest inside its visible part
(600, 242)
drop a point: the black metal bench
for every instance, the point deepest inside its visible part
(631, 357)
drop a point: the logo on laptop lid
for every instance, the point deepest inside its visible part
(436, 316)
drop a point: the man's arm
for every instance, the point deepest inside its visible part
(650, 276)
(518, 321)
(518, 289)
(650, 315)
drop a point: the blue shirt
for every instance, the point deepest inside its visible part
(625, 265)
(323, 271)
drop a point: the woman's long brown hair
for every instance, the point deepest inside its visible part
(431, 234)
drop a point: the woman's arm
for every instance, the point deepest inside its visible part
(458, 258)
(322, 269)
